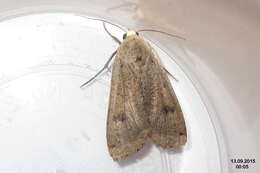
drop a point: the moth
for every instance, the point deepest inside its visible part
(142, 104)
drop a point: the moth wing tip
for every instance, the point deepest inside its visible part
(121, 153)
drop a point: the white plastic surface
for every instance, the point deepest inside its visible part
(49, 125)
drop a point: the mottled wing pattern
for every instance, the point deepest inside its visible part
(142, 102)
(127, 127)
(165, 117)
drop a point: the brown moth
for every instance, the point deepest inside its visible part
(142, 104)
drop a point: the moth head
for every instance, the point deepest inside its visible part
(134, 50)
(128, 33)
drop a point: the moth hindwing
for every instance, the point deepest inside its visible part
(142, 102)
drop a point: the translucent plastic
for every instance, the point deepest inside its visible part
(49, 124)
(44, 58)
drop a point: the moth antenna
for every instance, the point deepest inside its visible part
(170, 74)
(104, 21)
(113, 37)
(125, 30)
(162, 32)
(100, 71)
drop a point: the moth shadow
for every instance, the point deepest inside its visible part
(138, 156)
(175, 151)
(174, 159)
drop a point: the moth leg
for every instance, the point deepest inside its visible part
(170, 74)
(109, 68)
(100, 71)
(113, 37)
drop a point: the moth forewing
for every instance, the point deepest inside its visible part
(166, 119)
(127, 126)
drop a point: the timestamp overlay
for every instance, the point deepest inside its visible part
(242, 163)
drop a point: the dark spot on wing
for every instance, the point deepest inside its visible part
(165, 85)
(181, 133)
(139, 58)
(167, 109)
(119, 117)
(112, 146)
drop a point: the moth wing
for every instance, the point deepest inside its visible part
(127, 126)
(166, 117)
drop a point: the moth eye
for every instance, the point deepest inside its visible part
(124, 36)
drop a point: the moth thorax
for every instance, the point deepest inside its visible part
(136, 60)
